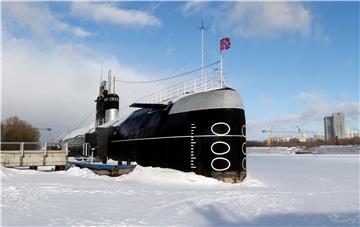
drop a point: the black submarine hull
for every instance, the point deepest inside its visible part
(204, 133)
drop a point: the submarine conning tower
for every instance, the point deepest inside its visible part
(107, 103)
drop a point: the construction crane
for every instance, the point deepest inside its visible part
(271, 131)
(45, 129)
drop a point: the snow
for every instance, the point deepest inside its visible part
(324, 149)
(336, 149)
(280, 190)
(167, 177)
(270, 150)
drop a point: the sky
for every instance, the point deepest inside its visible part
(292, 62)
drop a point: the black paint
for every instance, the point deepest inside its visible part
(174, 151)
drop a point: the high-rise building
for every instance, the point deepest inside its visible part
(328, 127)
(334, 127)
(339, 125)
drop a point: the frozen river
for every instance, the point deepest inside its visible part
(280, 189)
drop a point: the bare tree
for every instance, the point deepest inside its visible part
(14, 129)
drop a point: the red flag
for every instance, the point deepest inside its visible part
(225, 44)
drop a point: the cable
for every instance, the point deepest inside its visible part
(83, 121)
(166, 78)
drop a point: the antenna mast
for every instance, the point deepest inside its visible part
(202, 28)
(109, 82)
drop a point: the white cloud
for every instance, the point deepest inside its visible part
(37, 18)
(256, 19)
(55, 85)
(191, 7)
(317, 107)
(50, 83)
(76, 31)
(108, 13)
(269, 18)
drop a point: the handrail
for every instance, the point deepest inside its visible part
(52, 143)
(181, 89)
(211, 81)
(45, 146)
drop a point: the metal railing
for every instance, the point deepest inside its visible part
(33, 154)
(179, 90)
(22, 146)
(212, 80)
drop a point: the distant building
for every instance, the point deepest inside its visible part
(352, 134)
(334, 127)
(339, 125)
(328, 127)
(280, 139)
(319, 136)
(302, 137)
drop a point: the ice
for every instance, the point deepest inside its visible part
(280, 190)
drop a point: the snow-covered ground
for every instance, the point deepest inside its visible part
(324, 149)
(282, 189)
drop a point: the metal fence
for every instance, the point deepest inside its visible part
(22, 146)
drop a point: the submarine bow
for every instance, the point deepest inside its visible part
(204, 133)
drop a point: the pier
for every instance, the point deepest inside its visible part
(33, 154)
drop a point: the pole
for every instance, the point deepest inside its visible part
(113, 91)
(202, 53)
(221, 71)
(109, 81)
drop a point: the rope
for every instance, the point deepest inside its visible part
(166, 78)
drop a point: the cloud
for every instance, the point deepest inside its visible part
(108, 13)
(37, 18)
(269, 19)
(53, 82)
(257, 19)
(317, 107)
(76, 31)
(55, 85)
(191, 7)
(312, 98)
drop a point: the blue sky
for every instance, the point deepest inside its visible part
(292, 62)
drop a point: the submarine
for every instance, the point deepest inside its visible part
(201, 131)
(196, 126)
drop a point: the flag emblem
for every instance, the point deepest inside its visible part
(225, 44)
